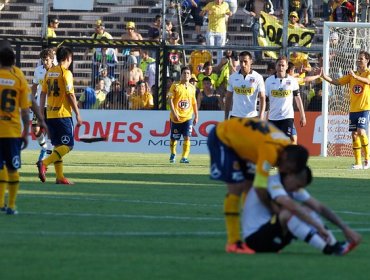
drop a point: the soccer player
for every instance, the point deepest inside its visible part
(244, 89)
(15, 101)
(183, 105)
(295, 214)
(359, 108)
(58, 86)
(242, 151)
(281, 89)
(47, 58)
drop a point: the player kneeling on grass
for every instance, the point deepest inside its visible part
(183, 105)
(242, 151)
(296, 216)
(58, 87)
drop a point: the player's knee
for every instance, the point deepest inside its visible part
(284, 216)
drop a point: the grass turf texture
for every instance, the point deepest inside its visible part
(135, 216)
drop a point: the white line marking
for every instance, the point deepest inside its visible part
(150, 217)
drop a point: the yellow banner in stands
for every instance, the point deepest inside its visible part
(271, 34)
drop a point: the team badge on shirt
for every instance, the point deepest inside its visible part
(357, 89)
(184, 104)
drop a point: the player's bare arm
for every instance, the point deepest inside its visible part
(262, 105)
(329, 79)
(25, 121)
(40, 116)
(328, 214)
(73, 101)
(299, 211)
(364, 80)
(300, 107)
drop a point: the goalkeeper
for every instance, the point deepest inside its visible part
(359, 84)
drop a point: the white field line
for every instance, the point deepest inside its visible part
(120, 200)
(126, 216)
(79, 198)
(131, 233)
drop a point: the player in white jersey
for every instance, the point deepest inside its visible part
(244, 89)
(47, 59)
(281, 89)
(296, 214)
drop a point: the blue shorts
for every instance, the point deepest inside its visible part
(358, 120)
(61, 131)
(184, 129)
(10, 153)
(226, 165)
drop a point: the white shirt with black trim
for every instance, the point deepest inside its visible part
(38, 78)
(256, 214)
(245, 93)
(280, 92)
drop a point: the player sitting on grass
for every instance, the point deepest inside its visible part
(267, 232)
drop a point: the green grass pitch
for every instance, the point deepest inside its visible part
(135, 216)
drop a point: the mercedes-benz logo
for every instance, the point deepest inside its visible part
(65, 139)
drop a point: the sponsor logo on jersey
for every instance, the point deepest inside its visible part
(184, 104)
(53, 74)
(16, 162)
(357, 89)
(7, 82)
(281, 93)
(244, 90)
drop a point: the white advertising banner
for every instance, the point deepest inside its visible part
(137, 131)
(338, 130)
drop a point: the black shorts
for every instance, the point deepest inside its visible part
(269, 237)
(286, 126)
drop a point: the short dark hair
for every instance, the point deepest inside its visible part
(7, 55)
(246, 53)
(63, 53)
(185, 68)
(298, 155)
(207, 64)
(53, 19)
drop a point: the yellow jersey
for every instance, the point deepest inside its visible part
(197, 60)
(217, 16)
(359, 91)
(58, 83)
(50, 33)
(257, 141)
(15, 94)
(141, 102)
(183, 98)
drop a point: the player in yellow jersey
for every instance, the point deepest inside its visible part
(243, 150)
(15, 100)
(183, 105)
(359, 108)
(58, 87)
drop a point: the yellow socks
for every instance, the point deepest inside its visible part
(58, 165)
(13, 187)
(56, 155)
(365, 145)
(3, 185)
(185, 148)
(232, 220)
(173, 144)
(357, 150)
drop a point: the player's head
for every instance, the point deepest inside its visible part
(64, 54)
(295, 181)
(364, 55)
(7, 55)
(281, 65)
(47, 57)
(246, 60)
(292, 159)
(185, 73)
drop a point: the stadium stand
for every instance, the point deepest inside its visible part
(24, 17)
